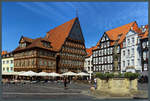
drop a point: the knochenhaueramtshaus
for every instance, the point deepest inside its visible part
(61, 50)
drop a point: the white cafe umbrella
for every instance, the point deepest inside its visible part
(42, 74)
(82, 74)
(69, 74)
(29, 73)
(18, 73)
(53, 74)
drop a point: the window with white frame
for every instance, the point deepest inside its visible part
(102, 52)
(133, 40)
(145, 66)
(108, 44)
(96, 60)
(144, 44)
(111, 50)
(96, 53)
(105, 51)
(128, 41)
(139, 62)
(132, 51)
(101, 45)
(102, 67)
(144, 55)
(123, 63)
(147, 43)
(104, 44)
(99, 52)
(99, 60)
(128, 61)
(123, 52)
(108, 51)
(111, 67)
(128, 52)
(102, 60)
(132, 62)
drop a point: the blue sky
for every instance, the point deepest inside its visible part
(34, 19)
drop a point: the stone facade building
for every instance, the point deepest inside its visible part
(61, 50)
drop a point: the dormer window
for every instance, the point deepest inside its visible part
(46, 44)
(22, 45)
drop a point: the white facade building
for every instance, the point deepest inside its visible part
(88, 65)
(131, 53)
(7, 63)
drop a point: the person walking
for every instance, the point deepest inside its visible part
(95, 83)
(65, 82)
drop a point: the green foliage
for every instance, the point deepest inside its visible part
(104, 76)
(129, 75)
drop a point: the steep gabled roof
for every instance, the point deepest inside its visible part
(58, 35)
(121, 31)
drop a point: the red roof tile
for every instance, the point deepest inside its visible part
(58, 35)
(89, 51)
(122, 31)
(36, 43)
(4, 52)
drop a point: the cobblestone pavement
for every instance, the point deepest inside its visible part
(50, 90)
(45, 91)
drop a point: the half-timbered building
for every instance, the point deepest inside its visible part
(34, 54)
(61, 50)
(103, 55)
(67, 39)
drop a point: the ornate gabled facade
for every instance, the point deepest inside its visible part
(68, 40)
(61, 50)
(144, 48)
(103, 55)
